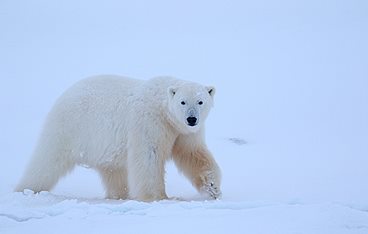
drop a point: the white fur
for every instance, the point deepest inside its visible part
(126, 129)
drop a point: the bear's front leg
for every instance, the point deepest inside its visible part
(198, 165)
(146, 173)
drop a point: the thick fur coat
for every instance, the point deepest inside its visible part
(127, 129)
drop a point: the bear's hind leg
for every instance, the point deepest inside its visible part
(115, 183)
(44, 171)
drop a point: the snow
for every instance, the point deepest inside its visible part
(289, 128)
(63, 214)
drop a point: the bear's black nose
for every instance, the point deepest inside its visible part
(192, 121)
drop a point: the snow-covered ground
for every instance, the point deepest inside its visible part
(46, 213)
(289, 128)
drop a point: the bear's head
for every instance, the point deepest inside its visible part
(189, 105)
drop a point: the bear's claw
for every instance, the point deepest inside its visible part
(210, 187)
(213, 190)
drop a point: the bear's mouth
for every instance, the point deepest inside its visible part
(192, 121)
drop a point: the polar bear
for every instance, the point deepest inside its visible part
(127, 129)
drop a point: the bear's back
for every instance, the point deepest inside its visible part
(89, 118)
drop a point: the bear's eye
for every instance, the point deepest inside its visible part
(183, 103)
(200, 103)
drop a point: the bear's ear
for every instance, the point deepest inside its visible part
(172, 91)
(211, 90)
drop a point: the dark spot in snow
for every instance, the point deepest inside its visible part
(237, 141)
